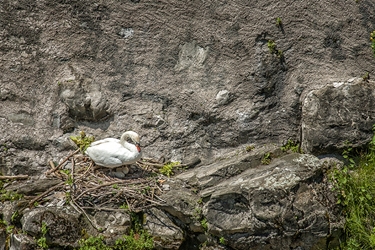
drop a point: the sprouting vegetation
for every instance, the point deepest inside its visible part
(355, 186)
(273, 49)
(366, 77)
(167, 169)
(222, 241)
(140, 240)
(279, 23)
(266, 159)
(372, 39)
(290, 145)
(137, 239)
(93, 243)
(42, 241)
(9, 195)
(249, 148)
(82, 141)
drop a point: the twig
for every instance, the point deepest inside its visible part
(104, 185)
(73, 184)
(67, 158)
(45, 193)
(105, 209)
(52, 164)
(13, 177)
(76, 207)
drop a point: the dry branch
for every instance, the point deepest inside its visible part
(67, 158)
(13, 177)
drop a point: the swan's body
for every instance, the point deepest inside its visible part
(113, 153)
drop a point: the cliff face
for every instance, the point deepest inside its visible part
(192, 77)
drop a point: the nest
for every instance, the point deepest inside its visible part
(87, 187)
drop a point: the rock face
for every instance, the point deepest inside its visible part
(284, 205)
(338, 114)
(237, 199)
(194, 79)
(191, 78)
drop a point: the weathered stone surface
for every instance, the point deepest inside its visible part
(114, 224)
(80, 65)
(274, 206)
(180, 201)
(340, 113)
(32, 186)
(63, 225)
(77, 65)
(3, 237)
(166, 234)
(22, 242)
(227, 166)
(83, 97)
(286, 204)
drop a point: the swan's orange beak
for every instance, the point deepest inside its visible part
(138, 147)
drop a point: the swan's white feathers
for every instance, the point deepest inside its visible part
(112, 153)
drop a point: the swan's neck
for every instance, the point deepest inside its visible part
(126, 144)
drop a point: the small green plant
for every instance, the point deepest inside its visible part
(9, 229)
(204, 224)
(42, 241)
(290, 145)
(279, 23)
(366, 77)
(140, 240)
(266, 159)
(273, 49)
(222, 241)
(125, 206)
(82, 141)
(271, 46)
(167, 169)
(249, 148)
(15, 216)
(9, 195)
(93, 243)
(355, 187)
(115, 186)
(197, 213)
(372, 39)
(68, 197)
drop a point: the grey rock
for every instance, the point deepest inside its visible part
(32, 186)
(227, 166)
(3, 237)
(268, 205)
(84, 98)
(223, 97)
(338, 114)
(180, 201)
(113, 223)
(191, 55)
(22, 242)
(63, 225)
(166, 234)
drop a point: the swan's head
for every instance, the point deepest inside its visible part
(134, 137)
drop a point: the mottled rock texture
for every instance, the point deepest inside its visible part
(194, 79)
(191, 77)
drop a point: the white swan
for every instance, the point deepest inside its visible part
(113, 153)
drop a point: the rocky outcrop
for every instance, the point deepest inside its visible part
(194, 79)
(286, 204)
(196, 82)
(239, 201)
(337, 116)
